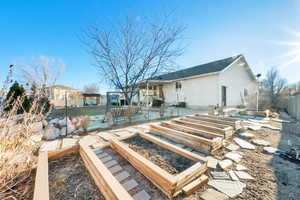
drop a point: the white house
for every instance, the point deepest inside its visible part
(228, 82)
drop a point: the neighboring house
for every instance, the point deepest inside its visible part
(227, 82)
(57, 94)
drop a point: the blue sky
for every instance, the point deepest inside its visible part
(215, 29)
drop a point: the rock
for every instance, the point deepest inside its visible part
(230, 188)
(69, 142)
(89, 140)
(240, 167)
(236, 157)
(244, 144)
(244, 175)
(50, 146)
(37, 137)
(260, 142)
(37, 127)
(232, 147)
(220, 175)
(130, 184)
(211, 194)
(233, 176)
(51, 133)
(270, 150)
(246, 135)
(212, 162)
(225, 164)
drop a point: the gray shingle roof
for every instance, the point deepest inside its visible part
(211, 67)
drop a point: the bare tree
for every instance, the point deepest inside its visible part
(133, 50)
(274, 84)
(91, 88)
(43, 71)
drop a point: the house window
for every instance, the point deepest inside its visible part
(178, 85)
(245, 92)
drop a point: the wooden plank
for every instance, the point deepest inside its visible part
(227, 129)
(230, 119)
(181, 134)
(192, 127)
(104, 179)
(173, 148)
(63, 152)
(189, 174)
(159, 177)
(41, 188)
(195, 185)
(232, 124)
(190, 117)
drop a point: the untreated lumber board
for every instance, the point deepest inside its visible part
(159, 177)
(195, 185)
(219, 117)
(197, 142)
(63, 152)
(41, 188)
(191, 127)
(219, 121)
(104, 179)
(212, 124)
(225, 131)
(173, 148)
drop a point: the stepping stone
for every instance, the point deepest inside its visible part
(122, 176)
(244, 144)
(220, 175)
(233, 176)
(236, 157)
(211, 194)
(106, 159)
(230, 188)
(50, 146)
(233, 147)
(260, 142)
(142, 195)
(129, 185)
(212, 162)
(225, 164)
(115, 169)
(89, 140)
(98, 151)
(240, 167)
(246, 135)
(102, 155)
(270, 150)
(254, 127)
(244, 175)
(69, 142)
(111, 163)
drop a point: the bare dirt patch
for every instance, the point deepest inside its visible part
(167, 160)
(69, 179)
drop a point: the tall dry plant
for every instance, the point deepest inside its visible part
(18, 149)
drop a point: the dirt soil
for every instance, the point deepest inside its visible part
(276, 178)
(167, 160)
(69, 179)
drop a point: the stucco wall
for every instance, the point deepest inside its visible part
(236, 79)
(196, 92)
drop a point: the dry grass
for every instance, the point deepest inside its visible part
(18, 152)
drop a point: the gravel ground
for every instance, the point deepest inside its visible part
(69, 179)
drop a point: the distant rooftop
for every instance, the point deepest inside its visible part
(211, 67)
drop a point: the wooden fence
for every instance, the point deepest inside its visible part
(293, 106)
